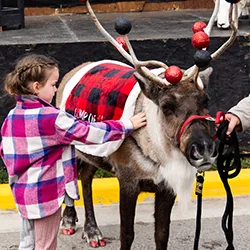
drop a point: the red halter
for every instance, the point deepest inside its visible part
(220, 117)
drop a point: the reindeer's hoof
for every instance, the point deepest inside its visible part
(68, 231)
(99, 243)
(93, 243)
(102, 242)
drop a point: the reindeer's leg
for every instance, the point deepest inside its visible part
(69, 220)
(129, 192)
(91, 232)
(164, 201)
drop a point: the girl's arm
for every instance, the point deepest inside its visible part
(72, 131)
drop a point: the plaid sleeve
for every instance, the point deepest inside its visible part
(77, 132)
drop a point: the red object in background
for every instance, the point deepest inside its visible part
(199, 26)
(173, 74)
(200, 40)
(121, 40)
(83, 1)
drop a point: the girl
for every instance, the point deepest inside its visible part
(38, 148)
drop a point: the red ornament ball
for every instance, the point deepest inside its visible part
(200, 40)
(173, 74)
(199, 26)
(121, 40)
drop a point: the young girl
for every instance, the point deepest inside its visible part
(38, 148)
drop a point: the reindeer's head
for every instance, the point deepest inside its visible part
(176, 102)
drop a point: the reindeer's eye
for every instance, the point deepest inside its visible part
(168, 107)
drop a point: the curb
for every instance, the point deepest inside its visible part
(106, 190)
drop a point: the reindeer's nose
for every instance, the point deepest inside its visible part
(202, 153)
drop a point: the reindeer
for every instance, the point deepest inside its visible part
(222, 17)
(163, 157)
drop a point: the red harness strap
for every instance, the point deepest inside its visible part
(220, 117)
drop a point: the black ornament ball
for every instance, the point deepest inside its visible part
(202, 58)
(123, 26)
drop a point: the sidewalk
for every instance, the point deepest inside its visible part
(109, 214)
(80, 28)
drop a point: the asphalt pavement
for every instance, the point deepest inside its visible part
(181, 234)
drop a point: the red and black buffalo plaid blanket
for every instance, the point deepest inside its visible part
(101, 93)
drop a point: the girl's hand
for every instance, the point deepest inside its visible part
(138, 120)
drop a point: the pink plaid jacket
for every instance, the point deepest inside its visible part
(39, 153)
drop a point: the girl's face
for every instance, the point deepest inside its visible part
(48, 90)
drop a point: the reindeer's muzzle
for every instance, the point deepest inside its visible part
(201, 151)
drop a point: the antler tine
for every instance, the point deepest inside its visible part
(140, 66)
(189, 73)
(142, 63)
(107, 35)
(233, 25)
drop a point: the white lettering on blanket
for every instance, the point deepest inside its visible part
(83, 115)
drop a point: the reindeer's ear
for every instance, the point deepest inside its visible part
(149, 89)
(205, 75)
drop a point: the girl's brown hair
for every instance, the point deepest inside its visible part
(30, 68)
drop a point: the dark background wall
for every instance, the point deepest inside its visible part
(229, 81)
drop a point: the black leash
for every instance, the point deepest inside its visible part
(228, 160)
(198, 192)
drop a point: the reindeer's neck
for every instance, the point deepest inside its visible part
(174, 169)
(150, 138)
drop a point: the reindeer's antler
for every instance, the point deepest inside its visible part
(193, 71)
(140, 66)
